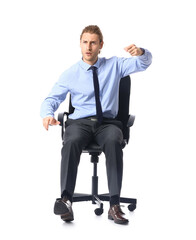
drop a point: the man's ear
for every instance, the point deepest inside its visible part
(101, 44)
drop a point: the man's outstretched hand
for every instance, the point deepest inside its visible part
(134, 50)
(47, 121)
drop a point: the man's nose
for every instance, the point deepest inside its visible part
(88, 46)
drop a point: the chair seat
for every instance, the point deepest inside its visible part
(92, 147)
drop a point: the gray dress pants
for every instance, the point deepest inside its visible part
(77, 135)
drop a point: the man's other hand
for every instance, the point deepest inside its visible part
(49, 121)
(134, 50)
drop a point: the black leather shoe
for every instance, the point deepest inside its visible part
(63, 207)
(115, 213)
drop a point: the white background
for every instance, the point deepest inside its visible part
(39, 40)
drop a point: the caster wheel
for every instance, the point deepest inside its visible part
(132, 207)
(98, 211)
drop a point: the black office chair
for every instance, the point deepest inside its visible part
(94, 149)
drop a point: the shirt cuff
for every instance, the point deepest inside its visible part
(143, 50)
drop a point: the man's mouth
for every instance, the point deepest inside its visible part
(88, 53)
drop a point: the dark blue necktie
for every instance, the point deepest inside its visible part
(97, 99)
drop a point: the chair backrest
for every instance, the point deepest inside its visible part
(123, 110)
(71, 108)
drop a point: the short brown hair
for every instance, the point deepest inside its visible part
(93, 29)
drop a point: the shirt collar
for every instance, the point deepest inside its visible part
(87, 66)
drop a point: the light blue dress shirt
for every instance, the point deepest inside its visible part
(78, 80)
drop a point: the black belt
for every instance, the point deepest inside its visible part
(95, 119)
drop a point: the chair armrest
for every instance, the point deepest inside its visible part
(130, 121)
(61, 117)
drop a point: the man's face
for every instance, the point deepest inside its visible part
(90, 47)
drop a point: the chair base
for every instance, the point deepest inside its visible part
(97, 199)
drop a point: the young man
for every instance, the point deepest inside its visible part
(93, 83)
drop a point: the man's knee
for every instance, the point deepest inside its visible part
(75, 136)
(73, 140)
(115, 137)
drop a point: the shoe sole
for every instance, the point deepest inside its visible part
(67, 217)
(118, 221)
(60, 208)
